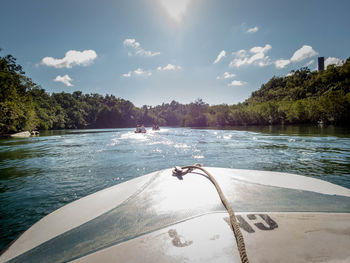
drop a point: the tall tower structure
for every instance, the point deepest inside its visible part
(320, 63)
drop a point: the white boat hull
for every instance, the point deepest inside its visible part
(162, 218)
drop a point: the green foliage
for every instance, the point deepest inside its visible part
(300, 97)
(303, 97)
(16, 108)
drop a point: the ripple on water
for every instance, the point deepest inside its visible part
(181, 145)
(38, 175)
(227, 137)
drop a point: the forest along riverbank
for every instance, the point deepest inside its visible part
(303, 96)
(41, 174)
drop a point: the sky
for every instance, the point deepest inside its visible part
(155, 51)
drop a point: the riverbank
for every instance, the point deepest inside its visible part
(22, 134)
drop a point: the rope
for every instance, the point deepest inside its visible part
(180, 171)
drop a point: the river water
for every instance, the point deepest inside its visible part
(40, 174)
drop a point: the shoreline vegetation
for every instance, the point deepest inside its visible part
(301, 97)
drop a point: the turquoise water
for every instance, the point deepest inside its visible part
(40, 174)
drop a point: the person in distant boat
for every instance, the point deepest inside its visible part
(140, 129)
(143, 129)
(155, 127)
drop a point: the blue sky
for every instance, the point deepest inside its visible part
(155, 51)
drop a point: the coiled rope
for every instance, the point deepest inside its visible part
(180, 171)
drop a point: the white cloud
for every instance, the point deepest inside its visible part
(131, 43)
(226, 75)
(221, 55)
(146, 53)
(282, 63)
(127, 75)
(265, 62)
(169, 67)
(333, 61)
(141, 72)
(264, 49)
(137, 49)
(64, 79)
(253, 29)
(237, 62)
(256, 56)
(147, 73)
(303, 53)
(236, 83)
(72, 58)
(137, 72)
(240, 53)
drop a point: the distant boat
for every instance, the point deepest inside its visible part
(155, 127)
(140, 129)
(163, 218)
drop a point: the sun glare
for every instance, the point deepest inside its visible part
(175, 8)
